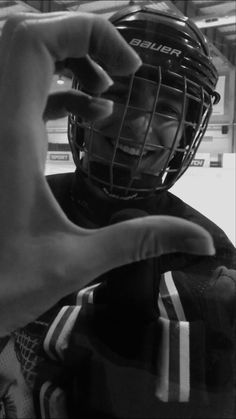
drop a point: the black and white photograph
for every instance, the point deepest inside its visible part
(117, 209)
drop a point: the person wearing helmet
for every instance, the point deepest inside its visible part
(160, 113)
(152, 338)
(125, 164)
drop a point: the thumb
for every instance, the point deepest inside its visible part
(133, 240)
(67, 259)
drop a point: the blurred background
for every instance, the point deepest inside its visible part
(209, 184)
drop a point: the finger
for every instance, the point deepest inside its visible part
(8, 56)
(96, 80)
(60, 104)
(135, 240)
(37, 44)
(93, 78)
(76, 35)
(73, 257)
(8, 30)
(154, 236)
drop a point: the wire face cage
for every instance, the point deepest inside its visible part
(160, 113)
(139, 98)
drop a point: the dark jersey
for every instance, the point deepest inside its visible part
(153, 339)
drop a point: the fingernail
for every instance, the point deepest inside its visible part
(132, 65)
(105, 103)
(109, 81)
(138, 60)
(200, 246)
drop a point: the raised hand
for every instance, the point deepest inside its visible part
(44, 256)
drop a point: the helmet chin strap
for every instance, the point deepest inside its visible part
(117, 196)
(98, 178)
(97, 206)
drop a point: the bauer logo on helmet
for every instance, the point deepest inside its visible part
(156, 47)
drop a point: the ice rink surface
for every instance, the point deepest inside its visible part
(209, 190)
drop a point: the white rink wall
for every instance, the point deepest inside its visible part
(211, 190)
